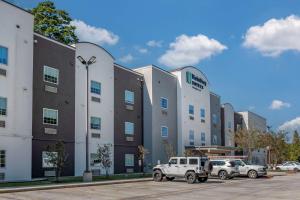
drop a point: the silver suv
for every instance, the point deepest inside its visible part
(190, 168)
(224, 169)
(247, 169)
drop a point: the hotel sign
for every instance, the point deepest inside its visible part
(196, 82)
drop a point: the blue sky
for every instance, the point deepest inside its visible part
(250, 76)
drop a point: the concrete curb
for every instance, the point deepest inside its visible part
(72, 185)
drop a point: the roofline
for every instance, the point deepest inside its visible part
(158, 68)
(228, 104)
(127, 69)
(212, 93)
(254, 114)
(53, 40)
(182, 68)
(17, 6)
(83, 42)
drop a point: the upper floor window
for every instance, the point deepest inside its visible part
(164, 131)
(192, 138)
(129, 128)
(191, 109)
(163, 103)
(215, 119)
(3, 106)
(129, 97)
(50, 116)
(95, 87)
(129, 160)
(229, 124)
(95, 123)
(2, 158)
(203, 139)
(202, 113)
(3, 55)
(51, 75)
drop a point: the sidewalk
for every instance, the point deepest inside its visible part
(71, 185)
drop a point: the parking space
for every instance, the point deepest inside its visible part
(279, 187)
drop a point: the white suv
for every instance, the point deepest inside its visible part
(190, 168)
(252, 171)
(224, 169)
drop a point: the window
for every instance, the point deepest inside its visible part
(202, 113)
(3, 106)
(183, 161)
(2, 158)
(163, 103)
(129, 160)
(191, 137)
(50, 116)
(215, 119)
(191, 109)
(215, 139)
(203, 139)
(129, 97)
(193, 161)
(3, 55)
(229, 124)
(173, 161)
(95, 87)
(94, 159)
(95, 123)
(129, 128)
(51, 75)
(164, 131)
(46, 157)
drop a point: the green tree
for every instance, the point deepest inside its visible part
(104, 157)
(53, 23)
(294, 147)
(142, 152)
(57, 157)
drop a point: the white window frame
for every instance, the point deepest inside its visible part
(7, 55)
(131, 159)
(161, 131)
(56, 119)
(125, 129)
(91, 87)
(6, 106)
(129, 102)
(191, 114)
(163, 98)
(45, 66)
(99, 124)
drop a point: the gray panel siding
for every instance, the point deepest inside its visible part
(215, 108)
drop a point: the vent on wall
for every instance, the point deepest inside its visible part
(2, 124)
(2, 72)
(50, 89)
(96, 99)
(51, 131)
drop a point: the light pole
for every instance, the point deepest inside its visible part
(87, 175)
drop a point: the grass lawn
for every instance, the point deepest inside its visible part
(72, 179)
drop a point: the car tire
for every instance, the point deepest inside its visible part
(202, 179)
(157, 176)
(170, 178)
(252, 174)
(223, 175)
(190, 177)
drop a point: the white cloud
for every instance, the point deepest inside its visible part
(93, 34)
(275, 36)
(143, 50)
(154, 43)
(127, 58)
(278, 104)
(291, 125)
(190, 50)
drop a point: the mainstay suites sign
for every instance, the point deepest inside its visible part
(197, 82)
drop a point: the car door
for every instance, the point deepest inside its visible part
(173, 166)
(181, 170)
(242, 167)
(216, 168)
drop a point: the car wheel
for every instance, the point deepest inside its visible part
(157, 176)
(252, 174)
(223, 175)
(202, 179)
(190, 177)
(170, 178)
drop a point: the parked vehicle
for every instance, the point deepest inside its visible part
(224, 169)
(190, 168)
(252, 171)
(295, 166)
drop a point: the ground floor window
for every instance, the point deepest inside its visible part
(2, 158)
(94, 159)
(129, 160)
(47, 159)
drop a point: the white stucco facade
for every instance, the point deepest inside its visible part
(103, 72)
(192, 90)
(253, 121)
(16, 34)
(228, 124)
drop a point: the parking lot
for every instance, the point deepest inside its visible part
(279, 187)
